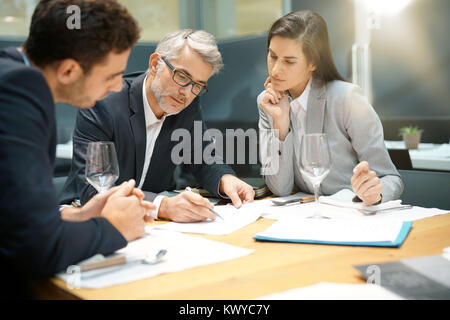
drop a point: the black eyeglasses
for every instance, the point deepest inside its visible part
(183, 80)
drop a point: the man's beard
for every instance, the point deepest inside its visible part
(159, 94)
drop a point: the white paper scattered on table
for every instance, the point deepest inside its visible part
(183, 252)
(335, 291)
(345, 209)
(333, 230)
(233, 219)
(289, 211)
(344, 197)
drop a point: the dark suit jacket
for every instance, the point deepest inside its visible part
(120, 118)
(34, 240)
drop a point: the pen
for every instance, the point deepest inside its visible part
(213, 211)
(101, 261)
(307, 199)
(104, 263)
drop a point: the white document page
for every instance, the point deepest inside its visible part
(233, 219)
(292, 210)
(183, 252)
(343, 198)
(335, 291)
(333, 230)
(329, 206)
(340, 206)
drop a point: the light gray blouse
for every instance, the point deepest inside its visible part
(341, 111)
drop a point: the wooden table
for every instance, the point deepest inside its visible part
(273, 267)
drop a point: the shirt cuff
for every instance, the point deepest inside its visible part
(220, 194)
(63, 206)
(157, 203)
(283, 144)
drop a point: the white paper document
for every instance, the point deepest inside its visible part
(333, 230)
(335, 291)
(344, 197)
(340, 206)
(233, 219)
(292, 210)
(183, 252)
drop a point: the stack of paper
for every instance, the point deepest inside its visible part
(339, 232)
(344, 198)
(183, 252)
(340, 206)
(341, 199)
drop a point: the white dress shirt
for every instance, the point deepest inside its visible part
(297, 115)
(153, 126)
(301, 102)
(299, 106)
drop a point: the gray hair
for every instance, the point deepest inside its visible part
(200, 41)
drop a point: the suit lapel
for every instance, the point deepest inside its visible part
(316, 108)
(137, 123)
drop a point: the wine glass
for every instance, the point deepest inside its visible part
(315, 163)
(102, 168)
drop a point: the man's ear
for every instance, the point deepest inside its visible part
(69, 71)
(153, 63)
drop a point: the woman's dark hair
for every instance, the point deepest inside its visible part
(310, 29)
(105, 26)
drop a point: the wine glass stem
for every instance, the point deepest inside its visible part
(316, 191)
(102, 189)
(316, 196)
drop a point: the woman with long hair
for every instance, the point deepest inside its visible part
(304, 93)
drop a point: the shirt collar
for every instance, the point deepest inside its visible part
(150, 118)
(303, 98)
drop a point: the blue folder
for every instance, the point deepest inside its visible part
(406, 227)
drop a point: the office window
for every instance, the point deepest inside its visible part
(223, 18)
(230, 18)
(256, 16)
(155, 18)
(15, 17)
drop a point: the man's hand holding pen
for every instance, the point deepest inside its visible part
(188, 206)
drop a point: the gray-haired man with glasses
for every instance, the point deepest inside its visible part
(183, 80)
(140, 121)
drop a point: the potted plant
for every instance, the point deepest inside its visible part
(411, 136)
